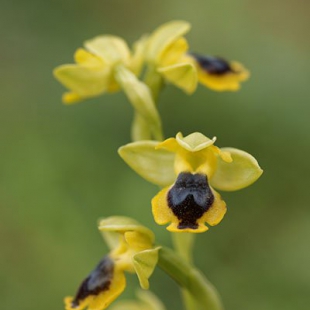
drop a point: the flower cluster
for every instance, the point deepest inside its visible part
(132, 250)
(188, 169)
(165, 50)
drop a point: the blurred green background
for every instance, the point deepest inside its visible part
(60, 171)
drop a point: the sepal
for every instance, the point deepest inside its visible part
(241, 172)
(156, 166)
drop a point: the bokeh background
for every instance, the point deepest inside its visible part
(60, 171)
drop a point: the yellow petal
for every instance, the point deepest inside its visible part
(137, 241)
(111, 49)
(121, 225)
(83, 81)
(195, 141)
(170, 145)
(183, 75)
(71, 98)
(163, 36)
(81, 56)
(174, 52)
(138, 56)
(194, 153)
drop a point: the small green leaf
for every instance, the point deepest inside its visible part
(241, 172)
(156, 166)
(144, 263)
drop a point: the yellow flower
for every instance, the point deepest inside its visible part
(94, 72)
(132, 250)
(189, 168)
(104, 66)
(168, 51)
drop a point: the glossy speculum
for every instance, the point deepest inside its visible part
(189, 198)
(98, 281)
(213, 65)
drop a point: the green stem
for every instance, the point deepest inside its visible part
(201, 290)
(189, 301)
(140, 128)
(140, 96)
(183, 244)
(154, 81)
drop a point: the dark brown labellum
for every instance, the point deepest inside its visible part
(213, 65)
(189, 198)
(98, 281)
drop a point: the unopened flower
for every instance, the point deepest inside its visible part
(132, 250)
(168, 51)
(189, 168)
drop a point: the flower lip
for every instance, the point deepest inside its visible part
(213, 65)
(189, 198)
(97, 282)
